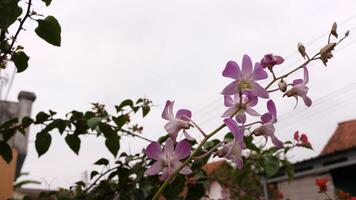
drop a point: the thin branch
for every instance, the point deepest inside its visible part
(135, 135)
(96, 180)
(22, 22)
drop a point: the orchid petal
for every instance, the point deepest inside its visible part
(259, 73)
(279, 60)
(167, 113)
(246, 66)
(230, 89)
(271, 107)
(185, 170)
(175, 126)
(232, 70)
(307, 101)
(252, 111)
(266, 118)
(259, 91)
(165, 174)
(235, 130)
(183, 112)
(169, 147)
(154, 151)
(229, 101)
(154, 169)
(229, 112)
(277, 142)
(182, 150)
(240, 117)
(188, 136)
(297, 81)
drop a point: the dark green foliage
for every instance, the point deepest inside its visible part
(9, 12)
(42, 143)
(195, 191)
(73, 142)
(48, 2)
(102, 161)
(49, 30)
(21, 61)
(5, 151)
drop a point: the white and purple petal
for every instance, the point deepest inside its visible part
(232, 70)
(154, 151)
(182, 150)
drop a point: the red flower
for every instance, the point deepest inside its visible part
(304, 139)
(353, 198)
(321, 183)
(296, 136)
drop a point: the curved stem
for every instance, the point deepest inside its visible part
(22, 22)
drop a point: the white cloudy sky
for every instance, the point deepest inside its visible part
(166, 49)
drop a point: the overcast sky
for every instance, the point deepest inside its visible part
(163, 49)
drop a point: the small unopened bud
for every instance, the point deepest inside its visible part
(301, 49)
(347, 33)
(282, 85)
(325, 52)
(334, 30)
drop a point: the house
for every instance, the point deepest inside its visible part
(337, 162)
(19, 142)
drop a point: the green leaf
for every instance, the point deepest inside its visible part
(21, 61)
(270, 165)
(41, 117)
(127, 102)
(26, 121)
(145, 110)
(102, 161)
(9, 12)
(5, 151)
(93, 174)
(42, 143)
(119, 121)
(49, 30)
(94, 122)
(113, 144)
(48, 2)
(73, 142)
(112, 141)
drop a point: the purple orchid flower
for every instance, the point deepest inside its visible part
(267, 128)
(233, 149)
(176, 123)
(168, 160)
(270, 60)
(244, 105)
(300, 89)
(245, 79)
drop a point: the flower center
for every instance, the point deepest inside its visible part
(244, 85)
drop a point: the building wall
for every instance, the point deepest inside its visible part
(7, 175)
(305, 188)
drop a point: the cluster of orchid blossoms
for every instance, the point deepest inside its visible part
(240, 96)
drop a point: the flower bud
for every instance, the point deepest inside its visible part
(334, 30)
(347, 33)
(301, 49)
(282, 85)
(325, 52)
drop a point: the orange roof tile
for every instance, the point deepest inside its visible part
(211, 167)
(343, 138)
